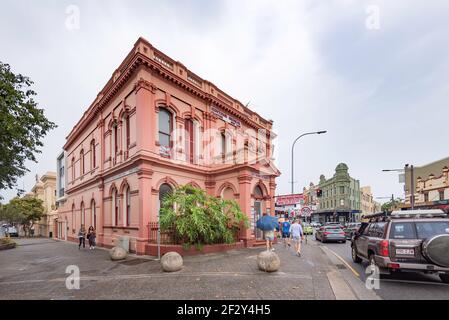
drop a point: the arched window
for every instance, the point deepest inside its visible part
(165, 127)
(258, 193)
(115, 207)
(114, 140)
(228, 194)
(73, 169)
(73, 217)
(83, 214)
(190, 140)
(127, 134)
(164, 190)
(223, 143)
(81, 162)
(93, 213)
(127, 207)
(93, 161)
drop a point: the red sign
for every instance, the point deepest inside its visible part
(289, 199)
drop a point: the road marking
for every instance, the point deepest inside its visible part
(343, 260)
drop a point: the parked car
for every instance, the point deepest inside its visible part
(315, 224)
(307, 229)
(10, 229)
(351, 228)
(330, 233)
(413, 241)
(338, 224)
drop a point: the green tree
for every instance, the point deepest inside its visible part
(391, 205)
(196, 218)
(22, 126)
(25, 211)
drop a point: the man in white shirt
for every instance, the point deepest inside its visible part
(297, 235)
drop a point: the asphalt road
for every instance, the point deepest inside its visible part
(401, 286)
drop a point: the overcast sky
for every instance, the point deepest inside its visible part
(379, 86)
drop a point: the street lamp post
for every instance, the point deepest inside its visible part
(293, 147)
(412, 182)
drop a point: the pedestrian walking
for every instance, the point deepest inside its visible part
(91, 236)
(82, 236)
(297, 235)
(286, 232)
(32, 230)
(269, 237)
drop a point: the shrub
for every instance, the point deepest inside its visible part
(195, 218)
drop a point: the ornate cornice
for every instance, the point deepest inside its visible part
(245, 179)
(144, 84)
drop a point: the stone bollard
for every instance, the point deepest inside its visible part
(268, 261)
(117, 253)
(171, 261)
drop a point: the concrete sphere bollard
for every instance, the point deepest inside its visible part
(171, 261)
(117, 253)
(268, 261)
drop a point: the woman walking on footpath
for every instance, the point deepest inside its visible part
(297, 234)
(81, 236)
(91, 235)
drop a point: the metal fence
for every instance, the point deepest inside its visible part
(167, 236)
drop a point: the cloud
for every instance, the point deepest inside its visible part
(308, 65)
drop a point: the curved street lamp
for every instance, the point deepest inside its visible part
(293, 147)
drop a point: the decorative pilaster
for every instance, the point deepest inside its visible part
(245, 202)
(145, 118)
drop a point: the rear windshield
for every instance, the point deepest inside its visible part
(430, 229)
(403, 230)
(333, 229)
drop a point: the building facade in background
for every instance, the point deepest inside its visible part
(156, 126)
(340, 197)
(45, 190)
(431, 185)
(60, 224)
(367, 203)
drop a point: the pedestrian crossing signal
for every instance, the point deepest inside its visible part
(319, 193)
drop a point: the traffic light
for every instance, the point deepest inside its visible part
(319, 193)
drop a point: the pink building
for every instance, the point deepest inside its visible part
(155, 126)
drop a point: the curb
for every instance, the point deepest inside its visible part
(346, 285)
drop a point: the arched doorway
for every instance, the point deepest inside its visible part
(258, 209)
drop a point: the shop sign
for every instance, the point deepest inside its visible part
(225, 117)
(290, 199)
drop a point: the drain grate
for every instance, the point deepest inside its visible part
(341, 266)
(133, 262)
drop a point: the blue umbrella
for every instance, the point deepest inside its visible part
(267, 223)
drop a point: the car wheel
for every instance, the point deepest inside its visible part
(444, 277)
(355, 257)
(344, 241)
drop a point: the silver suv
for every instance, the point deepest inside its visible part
(414, 240)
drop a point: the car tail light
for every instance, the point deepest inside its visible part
(384, 251)
(393, 265)
(326, 233)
